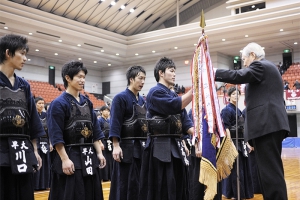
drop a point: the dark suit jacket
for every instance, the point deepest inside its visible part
(265, 109)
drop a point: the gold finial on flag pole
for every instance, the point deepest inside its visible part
(202, 21)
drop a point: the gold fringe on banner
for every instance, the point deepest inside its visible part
(208, 175)
(195, 89)
(205, 100)
(226, 156)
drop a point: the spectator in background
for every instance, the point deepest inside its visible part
(182, 89)
(176, 88)
(286, 85)
(297, 85)
(280, 69)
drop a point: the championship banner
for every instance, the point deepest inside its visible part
(217, 158)
(292, 94)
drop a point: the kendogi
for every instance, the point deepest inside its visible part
(75, 125)
(229, 184)
(133, 135)
(42, 177)
(19, 124)
(105, 173)
(128, 131)
(164, 168)
(75, 134)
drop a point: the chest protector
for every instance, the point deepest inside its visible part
(106, 129)
(137, 125)
(240, 128)
(44, 124)
(14, 116)
(165, 125)
(79, 127)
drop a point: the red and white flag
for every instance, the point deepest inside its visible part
(217, 158)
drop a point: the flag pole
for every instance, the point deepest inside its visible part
(218, 156)
(237, 143)
(202, 22)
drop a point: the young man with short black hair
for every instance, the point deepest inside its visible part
(164, 169)
(19, 123)
(128, 131)
(75, 134)
(105, 173)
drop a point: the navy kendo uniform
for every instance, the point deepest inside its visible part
(19, 123)
(105, 173)
(42, 177)
(164, 168)
(75, 125)
(128, 123)
(229, 185)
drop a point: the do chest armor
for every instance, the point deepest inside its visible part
(14, 116)
(44, 124)
(79, 127)
(165, 125)
(106, 129)
(137, 125)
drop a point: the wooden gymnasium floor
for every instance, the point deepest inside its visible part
(291, 162)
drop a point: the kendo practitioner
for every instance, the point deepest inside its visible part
(128, 131)
(266, 123)
(163, 173)
(20, 124)
(229, 184)
(42, 177)
(75, 134)
(105, 173)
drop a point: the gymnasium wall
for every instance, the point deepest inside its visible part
(37, 69)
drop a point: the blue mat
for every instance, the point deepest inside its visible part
(291, 142)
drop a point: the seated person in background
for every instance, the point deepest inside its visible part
(296, 85)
